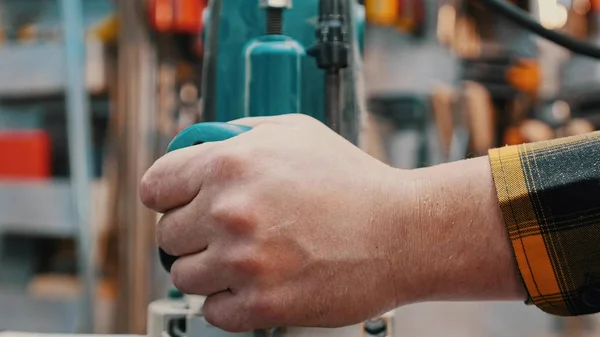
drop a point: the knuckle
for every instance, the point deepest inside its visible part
(224, 319)
(228, 324)
(148, 189)
(161, 239)
(291, 116)
(181, 280)
(235, 217)
(301, 118)
(268, 309)
(228, 165)
(164, 237)
(247, 264)
(211, 315)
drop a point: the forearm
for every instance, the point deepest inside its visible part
(461, 249)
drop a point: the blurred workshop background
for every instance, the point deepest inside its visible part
(83, 82)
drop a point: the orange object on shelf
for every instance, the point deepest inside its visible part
(525, 76)
(513, 136)
(161, 15)
(177, 16)
(25, 154)
(188, 15)
(382, 12)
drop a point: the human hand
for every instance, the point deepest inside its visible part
(285, 225)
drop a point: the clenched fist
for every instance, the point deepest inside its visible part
(289, 225)
(285, 225)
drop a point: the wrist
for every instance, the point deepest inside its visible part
(406, 227)
(454, 244)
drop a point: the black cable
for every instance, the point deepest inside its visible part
(520, 17)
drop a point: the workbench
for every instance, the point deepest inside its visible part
(34, 334)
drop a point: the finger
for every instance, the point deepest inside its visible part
(247, 310)
(256, 121)
(184, 230)
(228, 311)
(174, 179)
(201, 274)
(287, 119)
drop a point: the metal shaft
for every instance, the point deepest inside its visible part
(274, 21)
(333, 109)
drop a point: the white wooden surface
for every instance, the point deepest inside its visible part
(29, 334)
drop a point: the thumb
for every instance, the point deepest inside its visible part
(286, 119)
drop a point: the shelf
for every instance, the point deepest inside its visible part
(27, 313)
(39, 208)
(45, 208)
(30, 70)
(38, 70)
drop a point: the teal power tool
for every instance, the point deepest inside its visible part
(266, 58)
(195, 135)
(273, 57)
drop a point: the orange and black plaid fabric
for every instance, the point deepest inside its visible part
(549, 193)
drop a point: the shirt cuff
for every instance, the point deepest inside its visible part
(549, 195)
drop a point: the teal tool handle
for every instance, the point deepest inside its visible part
(195, 135)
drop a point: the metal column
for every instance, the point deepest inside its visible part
(79, 133)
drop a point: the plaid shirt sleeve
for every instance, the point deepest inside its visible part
(549, 193)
